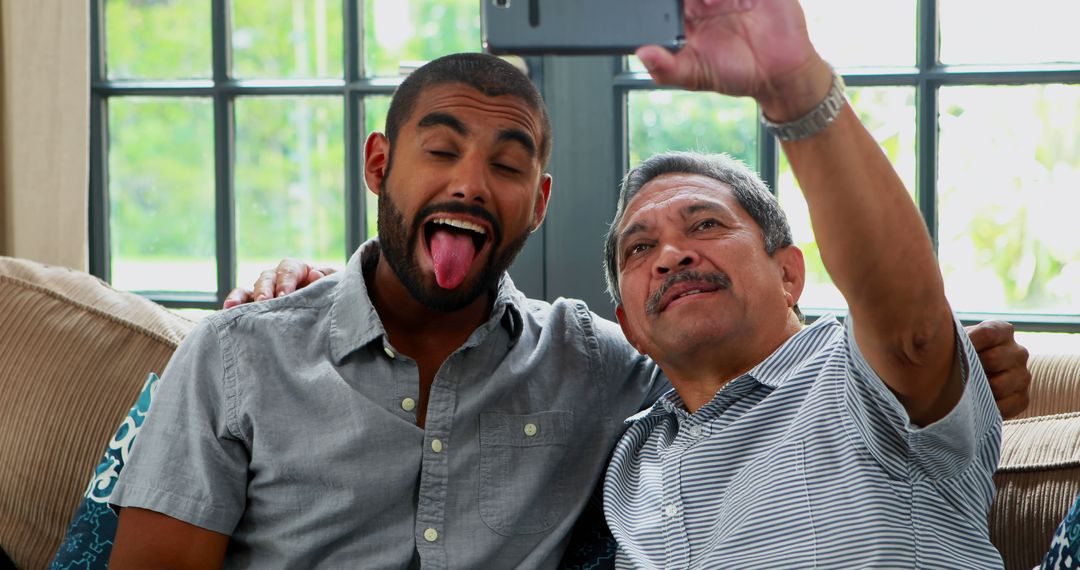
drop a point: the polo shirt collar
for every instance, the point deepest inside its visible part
(354, 323)
(775, 371)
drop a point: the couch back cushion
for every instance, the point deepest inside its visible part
(1037, 480)
(73, 354)
(1055, 384)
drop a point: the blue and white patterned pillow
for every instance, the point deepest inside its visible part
(1065, 548)
(89, 538)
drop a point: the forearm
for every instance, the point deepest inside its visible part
(875, 246)
(872, 239)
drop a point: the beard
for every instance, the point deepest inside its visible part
(398, 243)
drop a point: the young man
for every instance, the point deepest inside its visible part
(414, 409)
(871, 443)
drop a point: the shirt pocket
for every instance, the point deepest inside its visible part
(523, 484)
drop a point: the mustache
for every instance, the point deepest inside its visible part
(459, 208)
(652, 305)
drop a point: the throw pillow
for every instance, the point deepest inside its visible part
(1065, 548)
(89, 538)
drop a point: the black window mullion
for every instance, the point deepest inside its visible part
(926, 111)
(768, 154)
(224, 151)
(355, 205)
(100, 264)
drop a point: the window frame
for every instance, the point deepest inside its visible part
(223, 90)
(926, 77)
(552, 263)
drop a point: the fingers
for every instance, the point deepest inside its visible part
(667, 68)
(1009, 382)
(699, 8)
(263, 288)
(990, 333)
(289, 275)
(236, 297)
(316, 273)
(1005, 363)
(1013, 405)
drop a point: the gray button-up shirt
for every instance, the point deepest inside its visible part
(290, 426)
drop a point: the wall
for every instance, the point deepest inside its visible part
(44, 130)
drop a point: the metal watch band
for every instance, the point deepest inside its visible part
(816, 120)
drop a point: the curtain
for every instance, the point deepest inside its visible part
(44, 130)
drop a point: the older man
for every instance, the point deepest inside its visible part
(870, 443)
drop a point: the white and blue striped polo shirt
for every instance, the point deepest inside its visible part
(807, 461)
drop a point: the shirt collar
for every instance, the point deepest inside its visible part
(354, 322)
(778, 368)
(775, 371)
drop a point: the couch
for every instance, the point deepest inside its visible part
(74, 354)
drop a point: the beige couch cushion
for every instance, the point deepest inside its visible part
(1038, 479)
(1055, 388)
(73, 355)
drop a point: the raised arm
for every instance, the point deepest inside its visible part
(872, 239)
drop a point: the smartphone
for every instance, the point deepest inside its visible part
(536, 27)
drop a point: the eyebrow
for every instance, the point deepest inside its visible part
(521, 137)
(455, 124)
(444, 120)
(698, 207)
(687, 211)
(631, 230)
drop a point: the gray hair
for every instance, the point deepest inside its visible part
(753, 195)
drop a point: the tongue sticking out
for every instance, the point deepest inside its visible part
(453, 254)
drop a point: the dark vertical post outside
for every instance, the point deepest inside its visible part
(224, 151)
(768, 158)
(100, 264)
(355, 205)
(926, 111)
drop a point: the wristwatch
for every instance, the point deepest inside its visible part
(816, 120)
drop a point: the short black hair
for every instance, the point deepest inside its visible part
(487, 74)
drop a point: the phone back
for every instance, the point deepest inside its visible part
(579, 26)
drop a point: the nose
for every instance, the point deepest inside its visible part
(470, 182)
(674, 258)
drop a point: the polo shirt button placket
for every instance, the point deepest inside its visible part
(431, 535)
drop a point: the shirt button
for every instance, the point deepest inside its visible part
(436, 446)
(695, 431)
(408, 404)
(531, 429)
(389, 351)
(431, 535)
(671, 510)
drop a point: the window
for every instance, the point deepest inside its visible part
(982, 131)
(229, 133)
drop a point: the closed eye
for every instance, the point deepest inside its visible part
(506, 168)
(443, 153)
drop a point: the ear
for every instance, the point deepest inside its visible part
(620, 315)
(540, 208)
(793, 272)
(376, 160)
